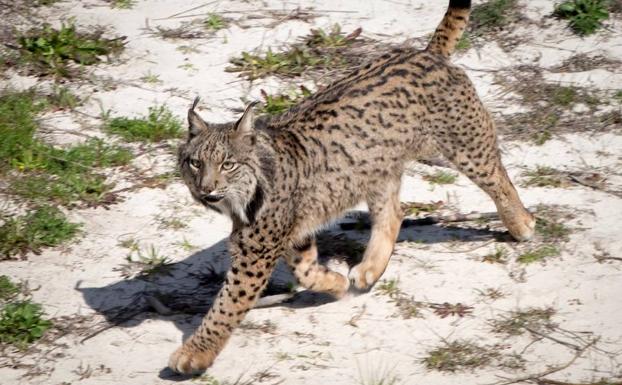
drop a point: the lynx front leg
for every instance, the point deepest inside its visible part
(386, 216)
(249, 274)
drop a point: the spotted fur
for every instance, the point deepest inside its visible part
(281, 179)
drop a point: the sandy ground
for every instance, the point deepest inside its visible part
(358, 338)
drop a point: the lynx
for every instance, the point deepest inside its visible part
(281, 179)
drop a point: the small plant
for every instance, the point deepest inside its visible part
(542, 137)
(406, 305)
(543, 176)
(277, 104)
(388, 287)
(618, 96)
(51, 50)
(441, 177)
(500, 256)
(564, 96)
(151, 78)
(215, 22)
(584, 16)
(490, 15)
(159, 124)
(416, 208)
(518, 322)
(8, 289)
(122, 4)
(333, 38)
(22, 323)
(61, 98)
(538, 254)
(143, 263)
(552, 230)
(18, 123)
(377, 375)
(459, 356)
(318, 50)
(44, 227)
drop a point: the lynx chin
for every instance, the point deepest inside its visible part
(282, 178)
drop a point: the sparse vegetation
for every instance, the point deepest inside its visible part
(490, 15)
(406, 305)
(159, 124)
(518, 322)
(52, 51)
(151, 78)
(584, 16)
(143, 263)
(122, 4)
(8, 289)
(459, 355)
(22, 323)
(441, 177)
(499, 256)
(40, 172)
(377, 375)
(215, 22)
(277, 104)
(543, 176)
(551, 229)
(43, 227)
(61, 98)
(416, 208)
(318, 50)
(538, 254)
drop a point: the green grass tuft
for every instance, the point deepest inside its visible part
(584, 16)
(490, 15)
(44, 227)
(277, 104)
(51, 51)
(18, 123)
(564, 96)
(159, 124)
(318, 50)
(459, 356)
(543, 176)
(22, 323)
(517, 322)
(215, 22)
(441, 177)
(538, 254)
(8, 289)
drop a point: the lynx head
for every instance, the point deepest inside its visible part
(224, 165)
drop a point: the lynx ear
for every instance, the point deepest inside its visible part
(245, 124)
(195, 124)
(244, 129)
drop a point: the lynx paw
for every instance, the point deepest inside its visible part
(187, 361)
(523, 227)
(363, 276)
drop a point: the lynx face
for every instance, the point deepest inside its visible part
(218, 164)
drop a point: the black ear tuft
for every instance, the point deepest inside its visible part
(195, 123)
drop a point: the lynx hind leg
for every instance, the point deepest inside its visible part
(472, 146)
(386, 216)
(313, 276)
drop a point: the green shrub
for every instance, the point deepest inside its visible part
(44, 227)
(50, 50)
(22, 323)
(584, 16)
(157, 125)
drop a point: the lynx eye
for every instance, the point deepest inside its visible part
(227, 165)
(195, 163)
